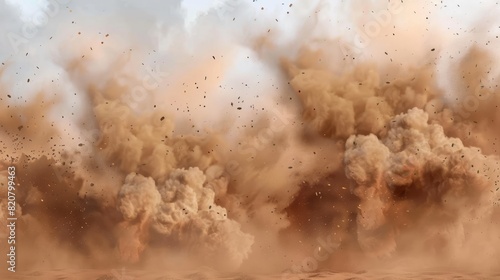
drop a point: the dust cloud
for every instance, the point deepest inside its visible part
(251, 139)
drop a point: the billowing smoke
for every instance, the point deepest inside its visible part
(164, 144)
(418, 181)
(183, 209)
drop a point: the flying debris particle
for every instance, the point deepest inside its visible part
(433, 49)
(239, 108)
(162, 118)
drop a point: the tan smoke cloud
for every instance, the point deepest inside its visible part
(378, 156)
(359, 100)
(416, 180)
(421, 193)
(179, 209)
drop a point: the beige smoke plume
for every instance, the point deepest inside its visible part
(421, 193)
(376, 156)
(166, 196)
(418, 181)
(184, 210)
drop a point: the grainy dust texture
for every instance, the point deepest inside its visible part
(250, 139)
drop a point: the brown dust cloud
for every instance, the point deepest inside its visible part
(249, 138)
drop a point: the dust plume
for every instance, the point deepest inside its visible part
(224, 137)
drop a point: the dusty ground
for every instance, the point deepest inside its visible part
(150, 275)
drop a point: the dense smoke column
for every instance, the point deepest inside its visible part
(167, 193)
(444, 192)
(416, 182)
